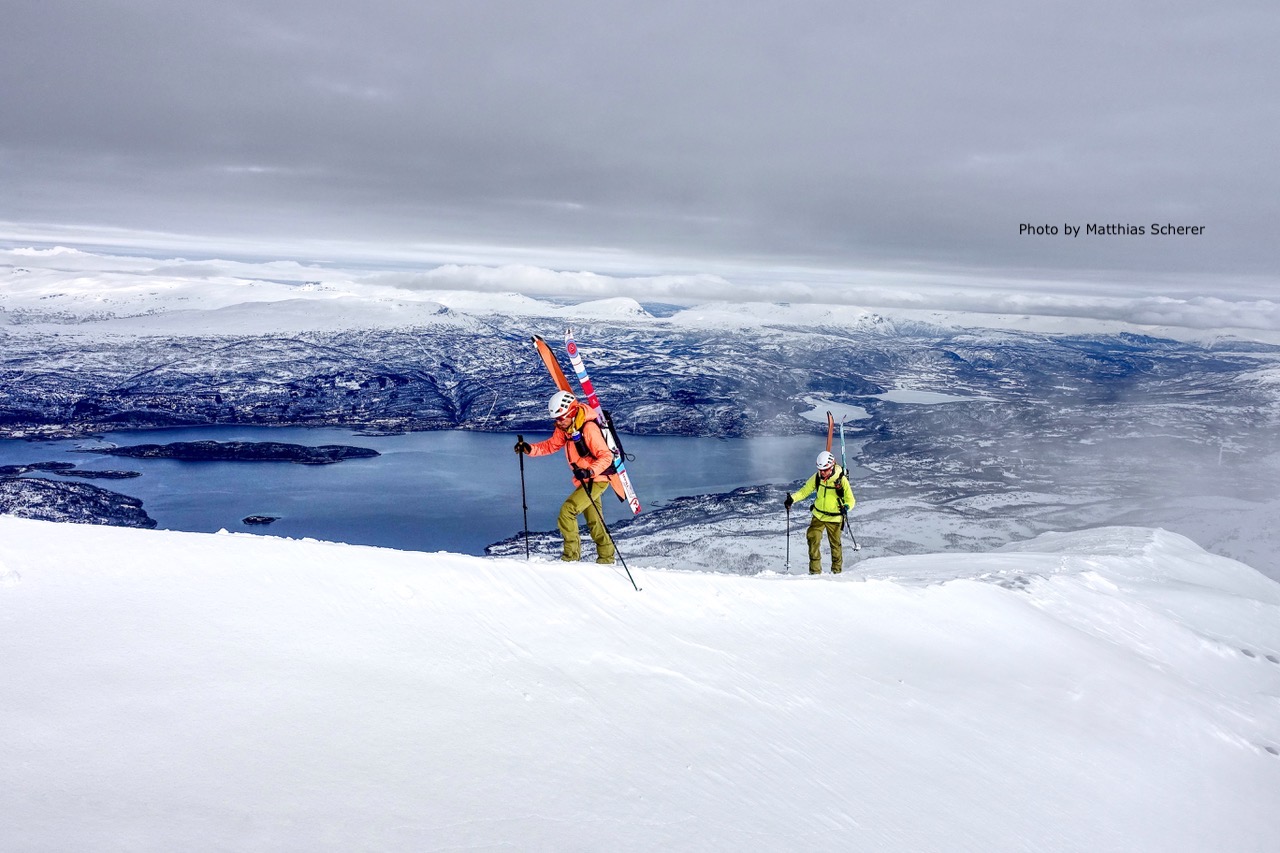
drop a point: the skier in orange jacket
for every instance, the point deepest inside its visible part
(590, 460)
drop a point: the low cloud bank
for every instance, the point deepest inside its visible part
(892, 292)
(1238, 307)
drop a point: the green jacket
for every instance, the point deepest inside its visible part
(831, 491)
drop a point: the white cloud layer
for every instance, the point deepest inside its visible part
(42, 278)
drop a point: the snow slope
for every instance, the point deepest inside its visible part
(1112, 689)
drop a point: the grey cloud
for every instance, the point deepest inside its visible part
(829, 134)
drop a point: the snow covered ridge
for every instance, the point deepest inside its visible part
(226, 365)
(1107, 689)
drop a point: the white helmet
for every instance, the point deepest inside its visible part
(560, 402)
(825, 460)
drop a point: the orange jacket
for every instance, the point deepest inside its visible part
(598, 459)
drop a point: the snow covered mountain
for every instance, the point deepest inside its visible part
(1111, 689)
(974, 681)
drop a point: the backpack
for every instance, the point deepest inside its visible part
(579, 440)
(838, 485)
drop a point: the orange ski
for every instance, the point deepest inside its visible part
(553, 366)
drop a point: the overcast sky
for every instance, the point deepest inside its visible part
(671, 136)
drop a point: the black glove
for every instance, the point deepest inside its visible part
(524, 447)
(581, 474)
(789, 501)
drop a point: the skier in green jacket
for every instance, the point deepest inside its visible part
(833, 501)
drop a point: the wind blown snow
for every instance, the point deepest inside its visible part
(1112, 689)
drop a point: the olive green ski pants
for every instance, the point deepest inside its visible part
(579, 504)
(814, 535)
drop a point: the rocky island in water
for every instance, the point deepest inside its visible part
(48, 499)
(82, 503)
(240, 451)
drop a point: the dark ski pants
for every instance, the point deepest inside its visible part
(578, 503)
(814, 535)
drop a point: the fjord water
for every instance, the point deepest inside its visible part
(429, 491)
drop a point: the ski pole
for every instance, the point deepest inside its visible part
(788, 563)
(524, 504)
(586, 487)
(845, 525)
